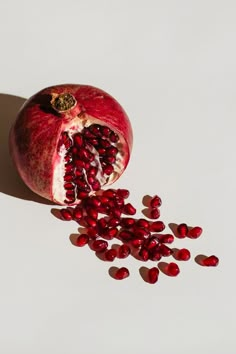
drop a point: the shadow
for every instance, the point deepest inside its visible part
(10, 182)
(112, 271)
(146, 200)
(56, 213)
(175, 253)
(173, 228)
(146, 212)
(143, 271)
(73, 239)
(199, 259)
(163, 267)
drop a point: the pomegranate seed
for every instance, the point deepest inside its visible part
(137, 242)
(92, 232)
(70, 194)
(143, 223)
(87, 133)
(69, 167)
(82, 194)
(114, 221)
(172, 269)
(119, 202)
(104, 200)
(154, 254)
(102, 223)
(95, 202)
(92, 213)
(69, 199)
(104, 143)
(151, 242)
(66, 214)
(109, 159)
(95, 129)
(69, 177)
(109, 193)
(183, 254)
(114, 138)
(110, 233)
(140, 232)
(90, 221)
(144, 254)
(92, 171)
(103, 210)
(81, 183)
(101, 151)
(154, 214)
(211, 261)
(157, 226)
(182, 230)
(82, 240)
(127, 222)
(164, 250)
(125, 235)
(129, 209)
(155, 202)
(121, 273)
(105, 131)
(110, 255)
(68, 157)
(123, 251)
(123, 193)
(66, 140)
(111, 204)
(78, 139)
(79, 164)
(93, 141)
(78, 213)
(111, 151)
(91, 179)
(115, 212)
(153, 275)
(79, 173)
(168, 238)
(100, 245)
(69, 185)
(195, 232)
(96, 185)
(108, 169)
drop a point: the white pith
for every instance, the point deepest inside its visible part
(72, 127)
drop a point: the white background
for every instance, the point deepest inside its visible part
(172, 65)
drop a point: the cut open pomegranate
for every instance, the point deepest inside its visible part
(70, 140)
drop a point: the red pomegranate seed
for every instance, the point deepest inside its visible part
(111, 151)
(211, 261)
(100, 245)
(69, 177)
(92, 171)
(155, 202)
(123, 251)
(92, 232)
(139, 232)
(95, 202)
(119, 202)
(66, 214)
(154, 254)
(109, 193)
(151, 242)
(79, 164)
(115, 212)
(154, 214)
(96, 185)
(168, 238)
(82, 240)
(126, 235)
(153, 275)
(182, 230)
(66, 140)
(114, 221)
(110, 233)
(91, 179)
(127, 222)
(92, 213)
(123, 193)
(69, 185)
(81, 183)
(183, 254)
(104, 200)
(90, 221)
(129, 209)
(95, 129)
(108, 169)
(144, 254)
(78, 139)
(68, 157)
(110, 255)
(111, 204)
(77, 213)
(101, 150)
(137, 242)
(195, 232)
(157, 226)
(105, 131)
(69, 167)
(172, 269)
(82, 194)
(143, 223)
(121, 273)
(102, 223)
(103, 210)
(78, 173)
(164, 250)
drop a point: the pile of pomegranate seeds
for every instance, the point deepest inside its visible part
(108, 216)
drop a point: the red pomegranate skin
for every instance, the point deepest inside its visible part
(35, 134)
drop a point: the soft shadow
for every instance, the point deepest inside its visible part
(143, 271)
(199, 259)
(163, 267)
(146, 200)
(112, 271)
(10, 182)
(73, 239)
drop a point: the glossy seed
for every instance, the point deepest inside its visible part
(154, 214)
(182, 230)
(66, 214)
(123, 251)
(153, 275)
(82, 240)
(123, 193)
(125, 235)
(144, 254)
(155, 202)
(121, 273)
(195, 232)
(77, 213)
(129, 209)
(110, 255)
(99, 245)
(157, 226)
(127, 222)
(211, 261)
(183, 254)
(172, 269)
(168, 238)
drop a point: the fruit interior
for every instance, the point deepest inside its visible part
(88, 157)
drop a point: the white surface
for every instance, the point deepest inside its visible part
(171, 64)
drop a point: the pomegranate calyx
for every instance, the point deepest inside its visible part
(63, 102)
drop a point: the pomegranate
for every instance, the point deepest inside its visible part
(70, 140)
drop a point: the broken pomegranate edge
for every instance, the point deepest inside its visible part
(70, 140)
